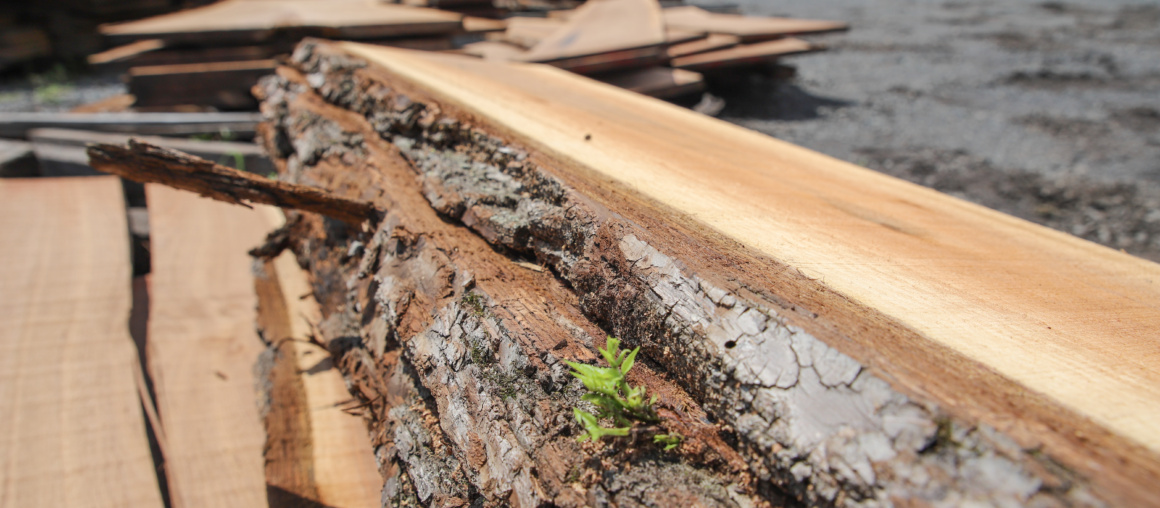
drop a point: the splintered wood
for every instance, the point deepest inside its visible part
(857, 338)
(202, 346)
(71, 425)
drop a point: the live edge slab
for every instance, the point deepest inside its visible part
(857, 340)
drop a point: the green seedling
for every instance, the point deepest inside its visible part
(670, 441)
(614, 398)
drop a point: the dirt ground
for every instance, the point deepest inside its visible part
(1049, 111)
(1046, 110)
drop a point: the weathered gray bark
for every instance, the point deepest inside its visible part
(458, 350)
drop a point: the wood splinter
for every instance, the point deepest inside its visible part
(146, 163)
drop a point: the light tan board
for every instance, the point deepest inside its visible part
(602, 26)
(344, 469)
(202, 346)
(493, 50)
(748, 28)
(711, 43)
(1054, 316)
(249, 20)
(71, 425)
(660, 82)
(746, 54)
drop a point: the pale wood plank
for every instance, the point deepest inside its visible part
(749, 28)
(71, 427)
(202, 346)
(247, 20)
(601, 27)
(746, 54)
(1055, 316)
(344, 467)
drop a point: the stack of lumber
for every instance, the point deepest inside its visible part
(212, 55)
(98, 366)
(639, 46)
(457, 229)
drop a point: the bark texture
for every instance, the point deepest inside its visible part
(452, 320)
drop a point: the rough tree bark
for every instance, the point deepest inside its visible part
(452, 319)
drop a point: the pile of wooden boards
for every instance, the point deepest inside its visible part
(122, 391)
(818, 334)
(637, 45)
(211, 56)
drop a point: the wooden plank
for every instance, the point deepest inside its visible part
(196, 55)
(119, 103)
(335, 449)
(237, 21)
(1042, 335)
(72, 429)
(125, 52)
(659, 82)
(710, 43)
(529, 31)
(602, 27)
(223, 85)
(746, 54)
(748, 28)
(240, 125)
(472, 24)
(493, 50)
(202, 346)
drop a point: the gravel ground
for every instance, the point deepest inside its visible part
(1049, 111)
(1046, 110)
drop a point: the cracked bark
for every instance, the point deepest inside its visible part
(797, 421)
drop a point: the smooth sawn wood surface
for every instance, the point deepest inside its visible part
(202, 346)
(72, 432)
(1054, 315)
(249, 20)
(749, 28)
(344, 470)
(602, 26)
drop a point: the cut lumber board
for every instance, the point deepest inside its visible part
(17, 125)
(68, 145)
(182, 55)
(659, 82)
(73, 432)
(599, 27)
(710, 43)
(202, 346)
(223, 85)
(493, 50)
(119, 103)
(472, 24)
(745, 54)
(528, 31)
(1011, 347)
(333, 463)
(125, 52)
(245, 21)
(748, 28)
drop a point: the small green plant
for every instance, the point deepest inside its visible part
(615, 399)
(52, 86)
(670, 440)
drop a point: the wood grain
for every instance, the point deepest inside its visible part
(344, 470)
(1052, 315)
(202, 346)
(71, 428)
(746, 54)
(749, 28)
(240, 20)
(601, 27)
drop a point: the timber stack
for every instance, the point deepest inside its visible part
(427, 320)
